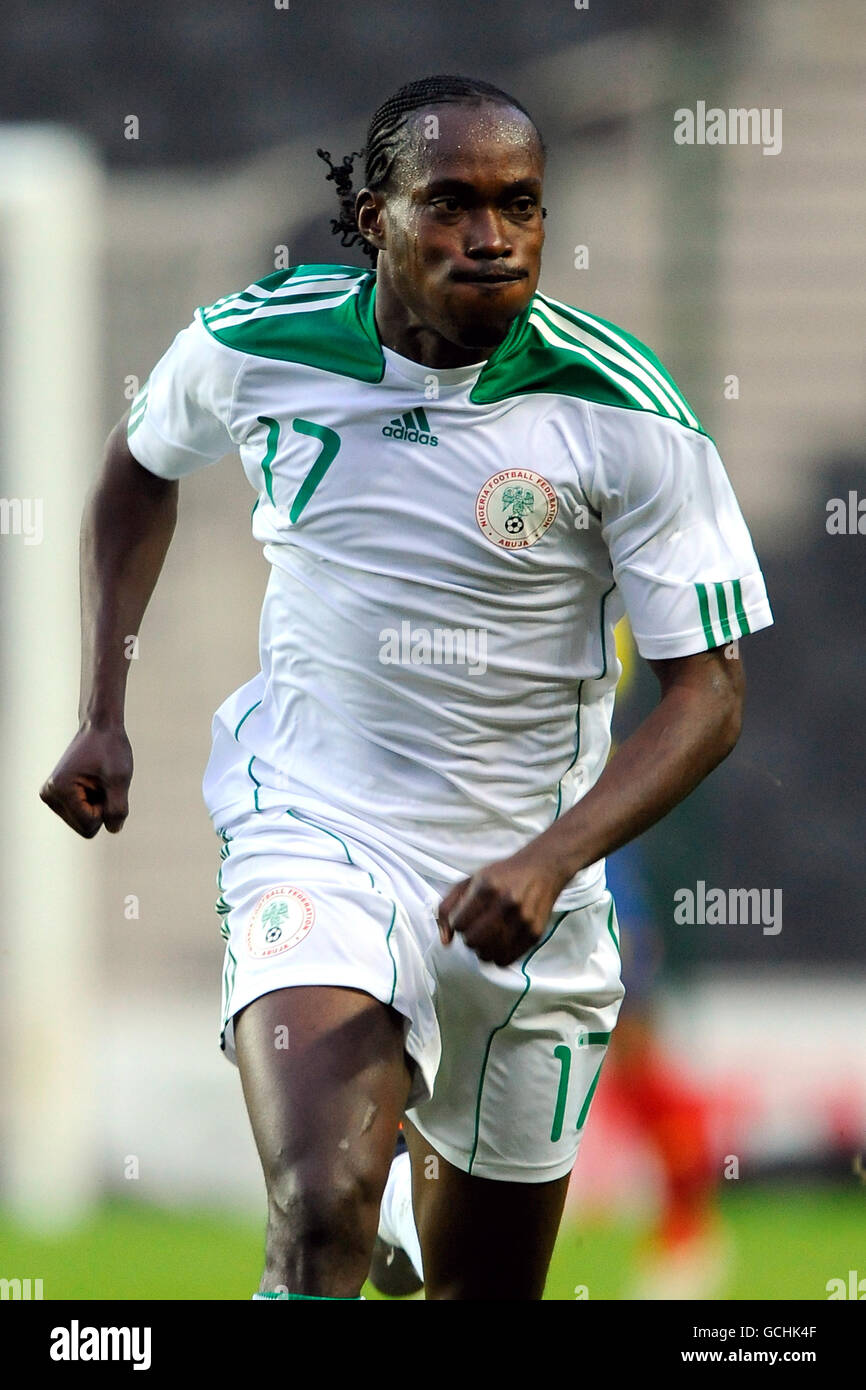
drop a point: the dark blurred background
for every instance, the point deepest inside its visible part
(743, 270)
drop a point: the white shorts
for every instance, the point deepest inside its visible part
(507, 1058)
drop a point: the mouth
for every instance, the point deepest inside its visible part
(499, 280)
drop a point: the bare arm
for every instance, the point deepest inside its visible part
(127, 526)
(692, 729)
(503, 909)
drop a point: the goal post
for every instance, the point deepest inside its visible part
(51, 217)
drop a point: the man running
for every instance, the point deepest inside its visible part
(461, 484)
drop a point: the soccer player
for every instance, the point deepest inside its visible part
(461, 485)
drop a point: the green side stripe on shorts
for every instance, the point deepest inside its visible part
(257, 782)
(229, 970)
(296, 815)
(498, 1029)
(611, 930)
(222, 905)
(306, 821)
(246, 716)
(390, 952)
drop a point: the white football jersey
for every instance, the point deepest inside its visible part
(450, 551)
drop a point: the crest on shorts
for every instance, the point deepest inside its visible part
(281, 919)
(515, 507)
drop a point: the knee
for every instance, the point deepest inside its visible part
(315, 1208)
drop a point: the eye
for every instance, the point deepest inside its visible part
(447, 203)
(524, 205)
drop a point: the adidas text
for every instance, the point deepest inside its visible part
(413, 426)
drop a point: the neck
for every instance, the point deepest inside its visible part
(401, 330)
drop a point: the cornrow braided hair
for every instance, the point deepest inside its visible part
(384, 138)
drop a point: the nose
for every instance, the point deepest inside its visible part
(488, 237)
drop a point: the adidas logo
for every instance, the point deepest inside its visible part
(413, 426)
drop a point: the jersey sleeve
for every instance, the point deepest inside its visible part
(681, 552)
(180, 420)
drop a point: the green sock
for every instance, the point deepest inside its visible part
(309, 1297)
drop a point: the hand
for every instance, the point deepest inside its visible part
(503, 909)
(89, 787)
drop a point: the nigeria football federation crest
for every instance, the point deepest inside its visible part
(280, 920)
(515, 508)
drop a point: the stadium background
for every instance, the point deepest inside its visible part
(127, 1166)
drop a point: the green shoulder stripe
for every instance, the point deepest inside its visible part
(322, 315)
(553, 347)
(317, 315)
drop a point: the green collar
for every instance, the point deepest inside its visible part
(511, 344)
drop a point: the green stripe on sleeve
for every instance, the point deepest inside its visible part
(705, 615)
(137, 410)
(739, 609)
(723, 611)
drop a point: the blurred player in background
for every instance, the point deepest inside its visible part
(684, 1254)
(461, 486)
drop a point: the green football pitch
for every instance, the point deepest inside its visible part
(785, 1243)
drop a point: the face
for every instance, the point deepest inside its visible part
(459, 229)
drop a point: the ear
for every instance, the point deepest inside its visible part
(370, 216)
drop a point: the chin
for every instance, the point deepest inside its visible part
(483, 330)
